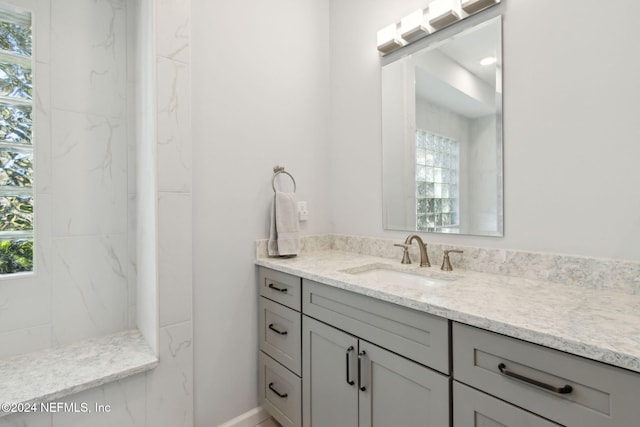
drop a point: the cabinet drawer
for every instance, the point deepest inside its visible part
(280, 287)
(280, 392)
(472, 408)
(418, 336)
(280, 334)
(600, 396)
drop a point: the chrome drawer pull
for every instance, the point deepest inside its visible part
(275, 288)
(349, 380)
(560, 390)
(276, 331)
(360, 356)
(276, 391)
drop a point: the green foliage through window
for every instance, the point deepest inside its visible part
(16, 142)
(16, 256)
(16, 38)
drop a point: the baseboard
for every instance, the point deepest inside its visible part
(248, 419)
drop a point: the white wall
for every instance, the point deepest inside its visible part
(260, 98)
(484, 167)
(260, 79)
(570, 131)
(399, 153)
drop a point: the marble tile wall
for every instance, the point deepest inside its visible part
(170, 385)
(80, 285)
(95, 297)
(143, 266)
(89, 177)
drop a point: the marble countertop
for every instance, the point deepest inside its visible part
(597, 324)
(50, 374)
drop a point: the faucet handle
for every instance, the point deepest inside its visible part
(405, 253)
(446, 263)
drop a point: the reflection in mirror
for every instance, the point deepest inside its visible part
(442, 135)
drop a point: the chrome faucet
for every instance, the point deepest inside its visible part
(424, 257)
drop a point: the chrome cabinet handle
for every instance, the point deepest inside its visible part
(560, 390)
(360, 356)
(275, 288)
(276, 391)
(349, 380)
(276, 331)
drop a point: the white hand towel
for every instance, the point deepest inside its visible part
(283, 235)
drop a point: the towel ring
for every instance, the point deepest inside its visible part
(277, 170)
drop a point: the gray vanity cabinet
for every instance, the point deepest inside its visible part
(280, 359)
(473, 408)
(415, 335)
(560, 387)
(367, 362)
(334, 358)
(330, 390)
(399, 392)
(350, 382)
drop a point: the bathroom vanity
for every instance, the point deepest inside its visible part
(339, 347)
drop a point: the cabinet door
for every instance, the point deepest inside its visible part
(395, 391)
(472, 408)
(330, 395)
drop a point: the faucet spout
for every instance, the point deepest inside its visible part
(424, 257)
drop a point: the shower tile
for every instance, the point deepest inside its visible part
(170, 385)
(42, 141)
(173, 16)
(26, 420)
(174, 257)
(173, 131)
(121, 403)
(25, 340)
(89, 71)
(89, 295)
(132, 265)
(89, 175)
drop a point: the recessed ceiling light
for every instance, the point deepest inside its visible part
(489, 60)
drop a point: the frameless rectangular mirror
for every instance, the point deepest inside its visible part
(442, 135)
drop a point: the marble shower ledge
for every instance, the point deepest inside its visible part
(53, 373)
(597, 324)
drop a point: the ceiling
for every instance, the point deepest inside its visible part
(437, 69)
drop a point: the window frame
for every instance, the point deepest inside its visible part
(22, 15)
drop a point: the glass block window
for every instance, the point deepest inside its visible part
(437, 161)
(16, 141)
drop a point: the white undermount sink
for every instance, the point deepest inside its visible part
(391, 275)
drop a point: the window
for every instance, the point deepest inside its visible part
(437, 160)
(16, 142)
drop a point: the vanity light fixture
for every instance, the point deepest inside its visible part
(388, 39)
(413, 26)
(443, 13)
(423, 22)
(473, 6)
